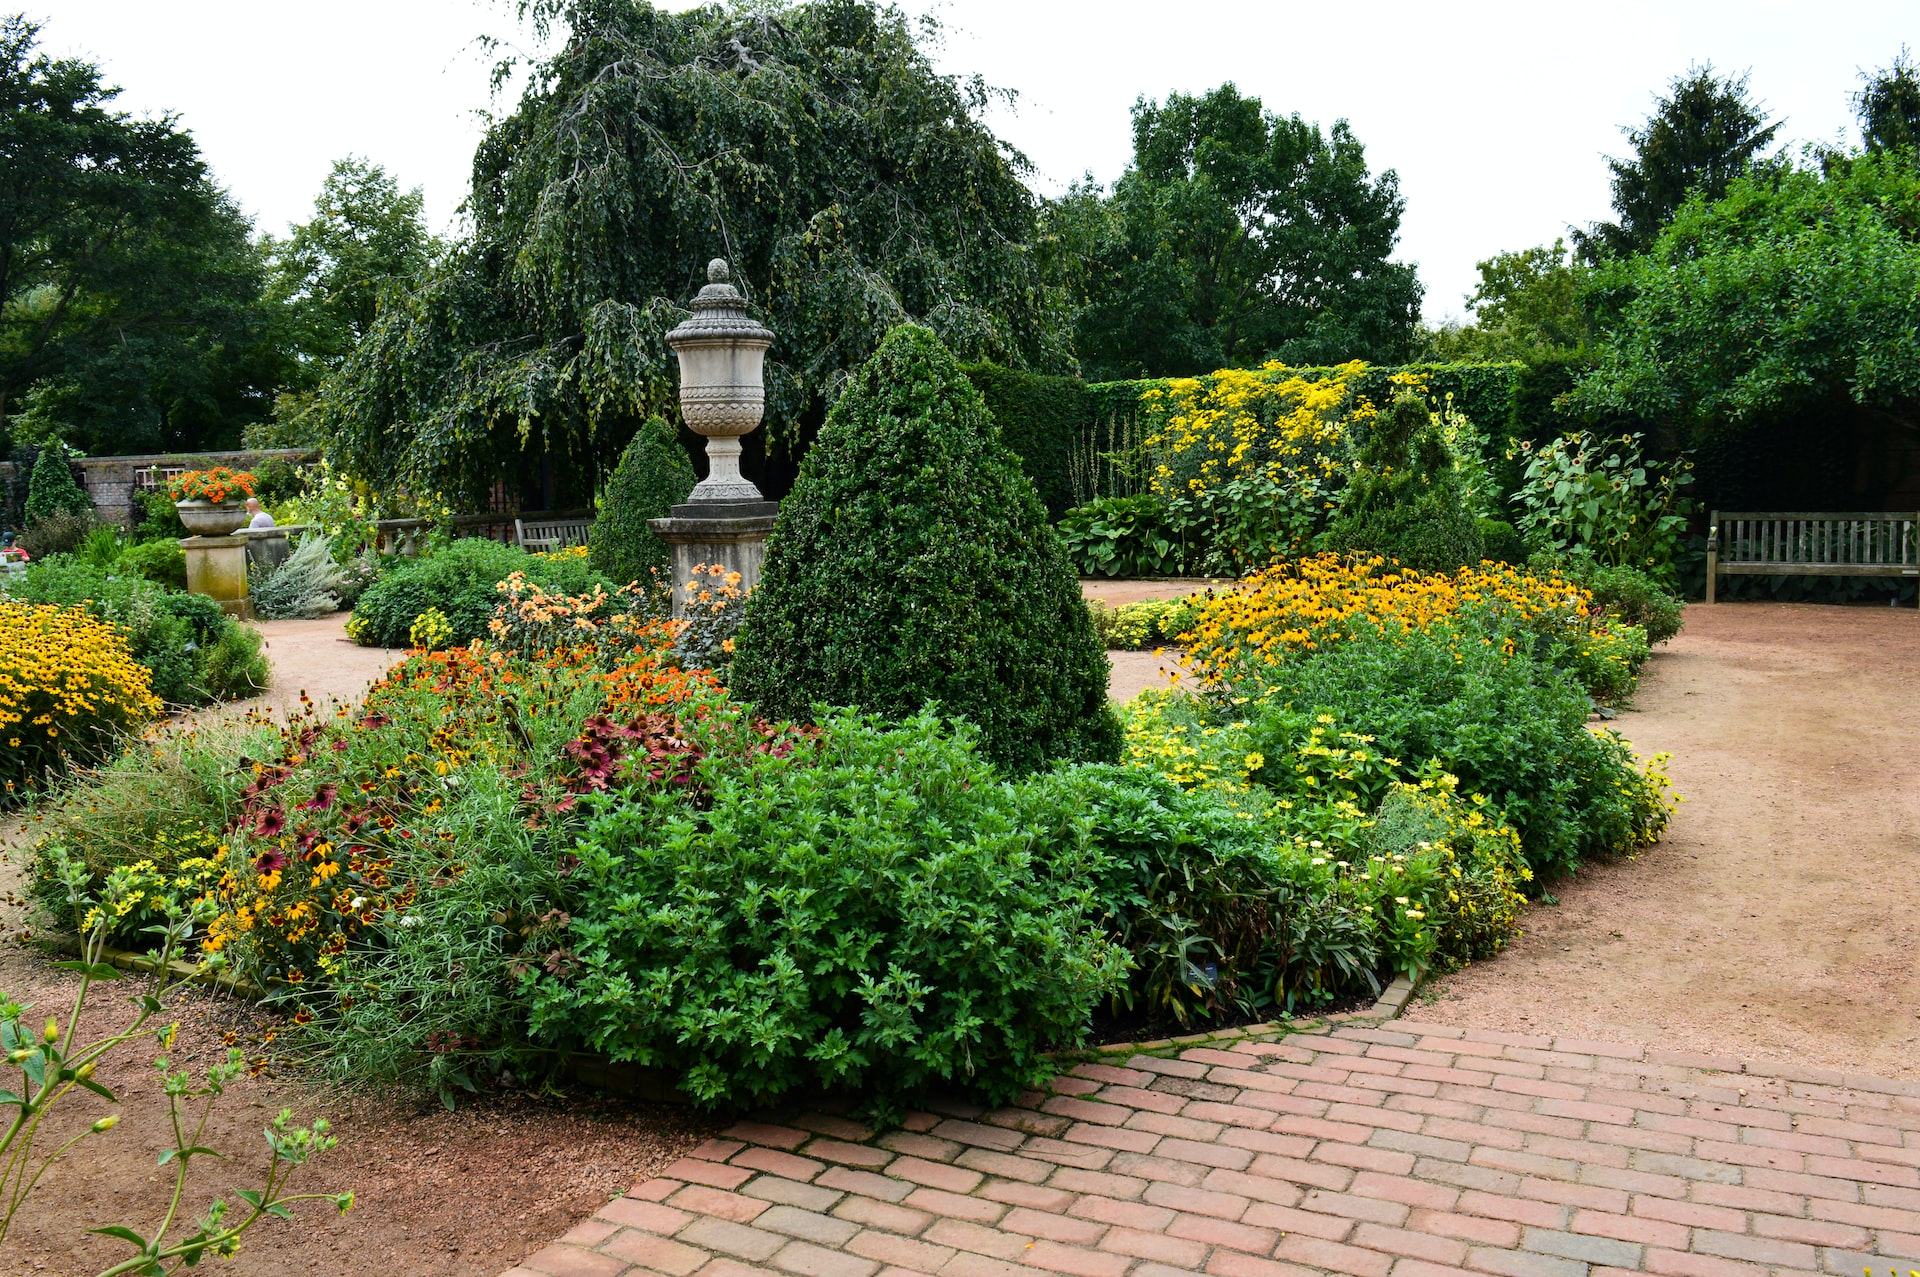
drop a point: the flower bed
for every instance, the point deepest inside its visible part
(69, 690)
(562, 838)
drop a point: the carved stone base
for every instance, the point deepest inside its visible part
(732, 534)
(217, 568)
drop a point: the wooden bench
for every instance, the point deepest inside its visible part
(546, 535)
(1740, 544)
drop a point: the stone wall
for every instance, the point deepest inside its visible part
(112, 483)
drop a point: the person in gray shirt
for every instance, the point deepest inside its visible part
(256, 517)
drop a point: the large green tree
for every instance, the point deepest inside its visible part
(366, 239)
(1237, 235)
(1797, 290)
(1527, 306)
(1706, 132)
(813, 144)
(130, 316)
(1889, 106)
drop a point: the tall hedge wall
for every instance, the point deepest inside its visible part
(1048, 420)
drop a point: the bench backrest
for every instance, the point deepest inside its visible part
(552, 534)
(1817, 540)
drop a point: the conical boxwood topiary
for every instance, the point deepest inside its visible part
(913, 562)
(654, 475)
(52, 490)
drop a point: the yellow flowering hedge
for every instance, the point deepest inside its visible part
(69, 687)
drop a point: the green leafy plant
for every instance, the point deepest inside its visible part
(52, 1064)
(1602, 498)
(1123, 537)
(653, 476)
(913, 562)
(56, 532)
(869, 911)
(233, 666)
(1143, 624)
(163, 562)
(1632, 596)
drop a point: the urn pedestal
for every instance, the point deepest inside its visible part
(217, 568)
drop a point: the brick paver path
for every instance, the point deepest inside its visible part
(1403, 1150)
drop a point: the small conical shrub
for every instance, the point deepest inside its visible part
(913, 562)
(52, 489)
(654, 475)
(1406, 500)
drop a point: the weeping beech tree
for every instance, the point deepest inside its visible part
(811, 144)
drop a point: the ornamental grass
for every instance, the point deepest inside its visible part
(69, 690)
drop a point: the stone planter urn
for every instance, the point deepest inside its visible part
(725, 521)
(206, 519)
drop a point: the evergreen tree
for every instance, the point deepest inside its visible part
(52, 489)
(1889, 106)
(1702, 136)
(913, 562)
(654, 475)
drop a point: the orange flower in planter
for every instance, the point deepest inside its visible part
(218, 485)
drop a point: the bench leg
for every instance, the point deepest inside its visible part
(1713, 571)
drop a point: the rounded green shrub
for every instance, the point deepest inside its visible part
(162, 562)
(913, 563)
(654, 475)
(459, 580)
(236, 667)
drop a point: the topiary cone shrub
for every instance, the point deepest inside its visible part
(654, 475)
(913, 562)
(52, 490)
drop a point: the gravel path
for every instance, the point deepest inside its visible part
(1780, 917)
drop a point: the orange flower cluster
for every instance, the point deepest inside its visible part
(217, 485)
(1309, 603)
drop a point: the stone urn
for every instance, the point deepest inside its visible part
(208, 519)
(721, 351)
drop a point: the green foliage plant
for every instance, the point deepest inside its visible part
(160, 520)
(162, 562)
(52, 489)
(235, 667)
(913, 563)
(654, 475)
(1142, 624)
(870, 912)
(1122, 537)
(57, 533)
(1632, 596)
(1407, 499)
(53, 1063)
(1602, 498)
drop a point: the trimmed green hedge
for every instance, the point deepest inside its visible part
(1055, 423)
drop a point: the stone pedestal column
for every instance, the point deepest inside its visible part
(732, 534)
(217, 568)
(725, 520)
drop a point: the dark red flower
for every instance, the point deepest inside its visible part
(268, 862)
(269, 823)
(322, 798)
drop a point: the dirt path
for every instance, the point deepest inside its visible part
(1780, 919)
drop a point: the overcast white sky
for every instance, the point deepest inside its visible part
(1495, 115)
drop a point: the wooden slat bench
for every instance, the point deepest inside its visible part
(545, 535)
(1792, 544)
